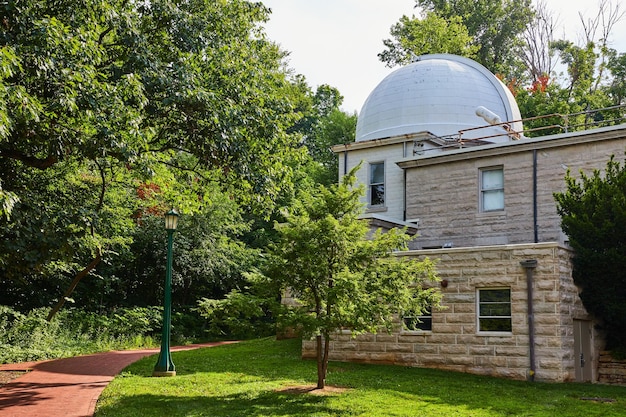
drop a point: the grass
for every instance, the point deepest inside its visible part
(248, 379)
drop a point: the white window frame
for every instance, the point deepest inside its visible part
(480, 316)
(493, 190)
(372, 184)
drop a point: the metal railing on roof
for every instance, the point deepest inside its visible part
(555, 123)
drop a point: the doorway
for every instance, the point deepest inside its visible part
(582, 350)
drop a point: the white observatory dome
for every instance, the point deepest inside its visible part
(440, 94)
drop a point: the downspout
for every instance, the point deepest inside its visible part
(530, 265)
(404, 153)
(535, 215)
(404, 191)
(345, 161)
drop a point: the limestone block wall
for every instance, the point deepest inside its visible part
(443, 189)
(454, 342)
(611, 371)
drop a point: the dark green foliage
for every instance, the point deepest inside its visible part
(549, 100)
(208, 259)
(335, 128)
(617, 67)
(103, 78)
(593, 213)
(49, 237)
(324, 124)
(99, 98)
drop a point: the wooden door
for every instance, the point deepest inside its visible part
(582, 350)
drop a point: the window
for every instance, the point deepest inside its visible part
(377, 184)
(494, 310)
(423, 322)
(492, 189)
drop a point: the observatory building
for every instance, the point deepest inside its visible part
(444, 154)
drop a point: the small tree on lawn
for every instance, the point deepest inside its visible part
(593, 214)
(341, 276)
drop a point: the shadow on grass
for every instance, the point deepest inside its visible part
(265, 404)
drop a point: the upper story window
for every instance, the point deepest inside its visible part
(377, 184)
(492, 189)
(494, 310)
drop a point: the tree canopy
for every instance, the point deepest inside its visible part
(129, 79)
(340, 276)
(487, 31)
(432, 34)
(322, 127)
(112, 111)
(593, 215)
(517, 42)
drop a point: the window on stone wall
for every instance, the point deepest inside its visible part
(492, 189)
(377, 184)
(423, 322)
(494, 310)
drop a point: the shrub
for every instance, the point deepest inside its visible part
(28, 337)
(238, 316)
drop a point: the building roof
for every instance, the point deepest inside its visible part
(439, 94)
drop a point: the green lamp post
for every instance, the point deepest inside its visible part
(164, 365)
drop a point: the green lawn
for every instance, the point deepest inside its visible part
(248, 379)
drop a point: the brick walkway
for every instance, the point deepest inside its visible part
(67, 387)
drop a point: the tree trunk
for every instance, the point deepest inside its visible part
(321, 360)
(325, 361)
(73, 285)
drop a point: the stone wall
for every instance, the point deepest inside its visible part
(454, 342)
(611, 371)
(443, 189)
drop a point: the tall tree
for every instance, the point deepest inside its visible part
(92, 88)
(430, 34)
(341, 277)
(124, 79)
(589, 67)
(338, 127)
(495, 26)
(536, 51)
(324, 124)
(617, 86)
(593, 214)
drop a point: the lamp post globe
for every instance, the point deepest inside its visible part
(164, 365)
(171, 220)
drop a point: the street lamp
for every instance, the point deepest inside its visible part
(164, 365)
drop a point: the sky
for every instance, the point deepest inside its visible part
(336, 42)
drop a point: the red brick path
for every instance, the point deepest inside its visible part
(67, 387)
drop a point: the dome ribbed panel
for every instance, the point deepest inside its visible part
(438, 94)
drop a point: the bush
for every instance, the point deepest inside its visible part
(29, 337)
(238, 316)
(187, 324)
(593, 215)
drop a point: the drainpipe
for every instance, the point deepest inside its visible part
(345, 161)
(530, 265)
(405, 196)
(535, 226)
